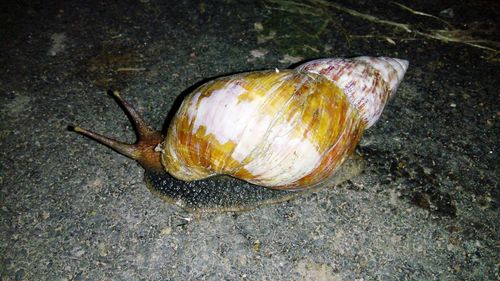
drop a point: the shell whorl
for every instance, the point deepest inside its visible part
(277, 129)
(367, 81)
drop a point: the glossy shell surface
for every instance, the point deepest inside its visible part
(286, 130)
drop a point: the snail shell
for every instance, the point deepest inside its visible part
(288, 129)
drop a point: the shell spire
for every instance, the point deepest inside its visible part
(368, 82)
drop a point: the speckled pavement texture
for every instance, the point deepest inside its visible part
(426, 207)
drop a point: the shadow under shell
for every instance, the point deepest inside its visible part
(228, 194)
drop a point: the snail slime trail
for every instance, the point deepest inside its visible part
(262, 137)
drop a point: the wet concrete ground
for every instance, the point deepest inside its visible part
(425, 207)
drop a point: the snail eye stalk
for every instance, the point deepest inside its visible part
(143, 150)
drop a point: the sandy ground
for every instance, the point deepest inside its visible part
(425, 207)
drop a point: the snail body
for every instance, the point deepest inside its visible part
(288, 129)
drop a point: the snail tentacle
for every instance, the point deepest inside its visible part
(143, 150)
(121, 147)
(141, 127)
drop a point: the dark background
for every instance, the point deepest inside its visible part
(425, 208)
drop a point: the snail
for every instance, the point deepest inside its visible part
(269, 133)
